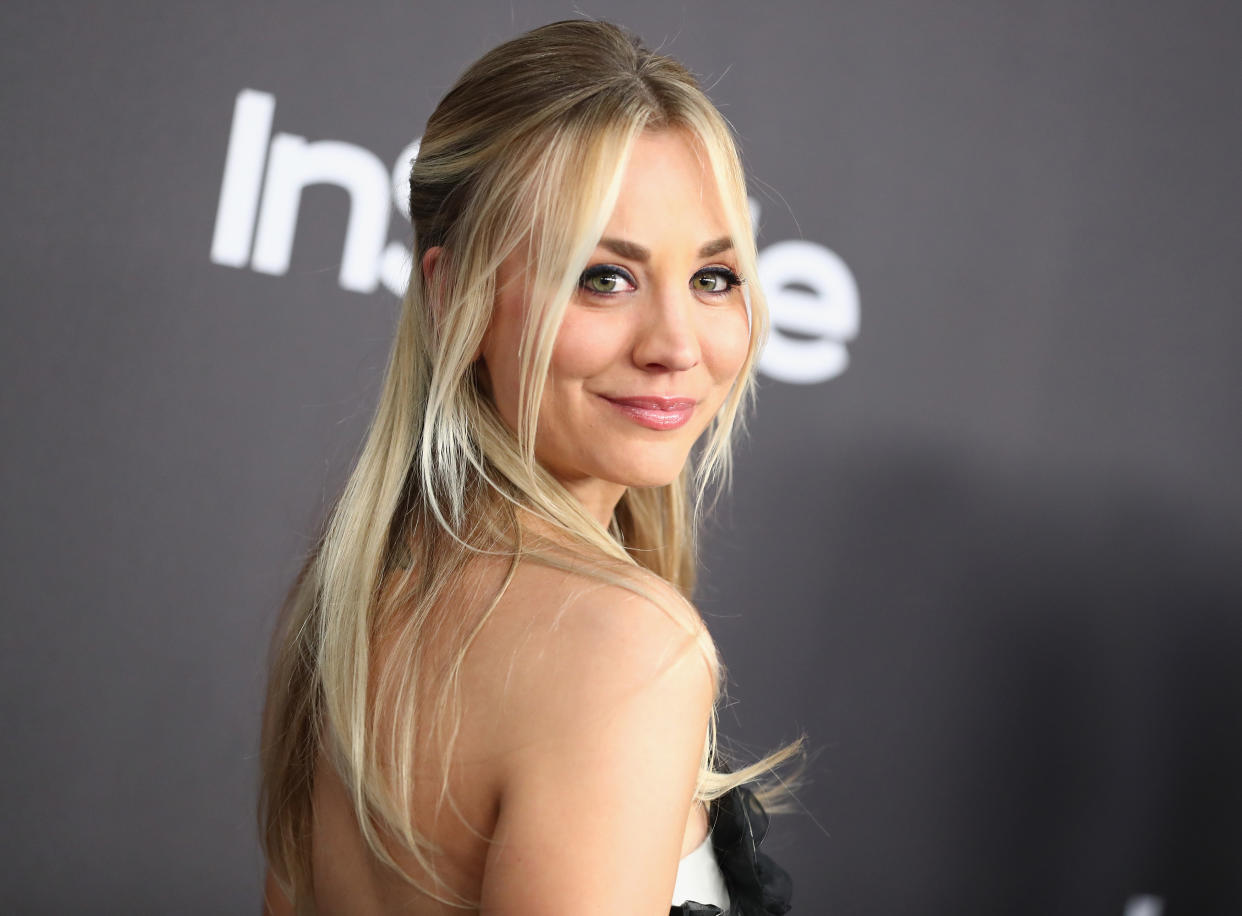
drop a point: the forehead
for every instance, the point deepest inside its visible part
(668, 189)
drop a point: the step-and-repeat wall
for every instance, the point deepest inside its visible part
(984, 544)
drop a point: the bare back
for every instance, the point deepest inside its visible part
(552, 637)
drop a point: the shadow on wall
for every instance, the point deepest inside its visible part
(1031, 684)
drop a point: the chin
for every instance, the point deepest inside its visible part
(652, 473)
(651, 483)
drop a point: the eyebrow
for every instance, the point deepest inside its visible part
(636, 252)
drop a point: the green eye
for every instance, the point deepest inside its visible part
(714, 280)
(602, 283)
(605, 279)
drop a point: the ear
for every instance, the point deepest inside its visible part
(431, 263)
(433, 283)
(430, 259)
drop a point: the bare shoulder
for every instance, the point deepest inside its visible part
(565, 649)
(603, 699)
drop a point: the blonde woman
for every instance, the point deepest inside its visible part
(490, 691)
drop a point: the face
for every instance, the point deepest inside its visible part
(651, 342)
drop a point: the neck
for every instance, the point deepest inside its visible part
(599, 498)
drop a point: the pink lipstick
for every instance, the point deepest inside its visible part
(656, 413)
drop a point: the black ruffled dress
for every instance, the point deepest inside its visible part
(757, 886)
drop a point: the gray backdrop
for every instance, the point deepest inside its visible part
(992, 568)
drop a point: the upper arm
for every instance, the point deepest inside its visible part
(604, 738)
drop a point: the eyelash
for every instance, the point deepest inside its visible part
(731, 278)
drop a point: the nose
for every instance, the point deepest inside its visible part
(667, 338)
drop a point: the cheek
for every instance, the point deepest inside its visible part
(725, 340)
(499, 353)
(587, 345)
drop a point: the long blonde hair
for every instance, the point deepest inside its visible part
(441, 478)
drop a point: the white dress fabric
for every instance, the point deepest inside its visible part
(728, 875)
(699, 878)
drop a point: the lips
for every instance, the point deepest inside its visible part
(655, 413)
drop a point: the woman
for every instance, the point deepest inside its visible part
(490, 690)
